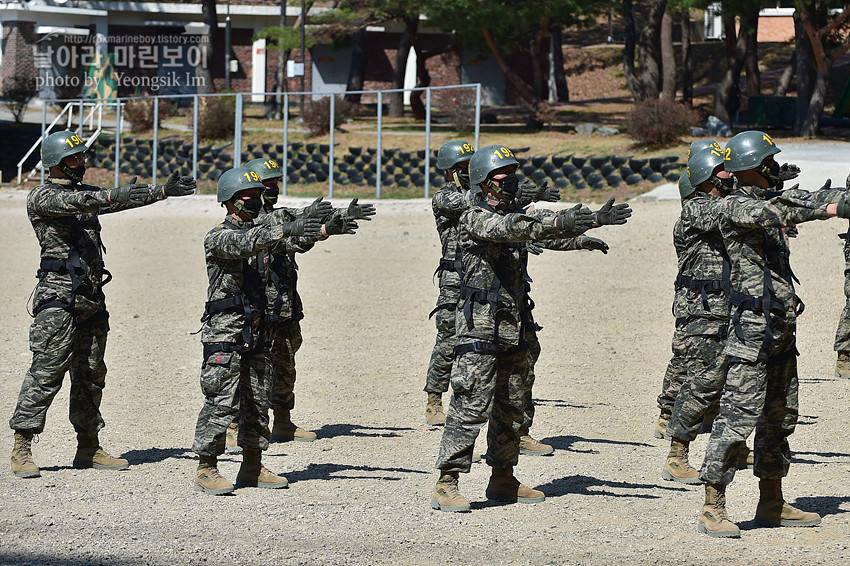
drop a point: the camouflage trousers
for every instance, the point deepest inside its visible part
(285, 341)
(533, 356)
(486, 389)
(842, 334)
(760, 395)
(61, 343)
(234, 385)
(705, 362)
(677, 369)
(442, 356)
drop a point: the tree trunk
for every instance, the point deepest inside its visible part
(556, 52)
(668, 57)
(535, 47)
(357, 71)
(204, 69)
(629, 50)
(687, 73)
(810, 123)
(806, 72)
(723, 96)
(649, 54)
(522, 88)
(399, 68)
(752, 58)
(787, 76)
(731, 35)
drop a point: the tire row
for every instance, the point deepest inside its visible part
(310, 163)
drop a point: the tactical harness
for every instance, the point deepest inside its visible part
(74, 268)
(234, 303)
(846, 237)
(768, 305)
(492, 296)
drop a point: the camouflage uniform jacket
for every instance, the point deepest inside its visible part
(448, 204)
(760, 273)
(494, 306)
(236, 296)
(281, 270)
(65, 219)
(700, 304)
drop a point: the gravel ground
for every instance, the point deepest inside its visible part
(359, 495)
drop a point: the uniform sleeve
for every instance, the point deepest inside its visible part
(780, 211)
(704, 215)
(154, 195)
(512, 227)
(49, 202)
(239, 244)
(563, 244)
(450, 202)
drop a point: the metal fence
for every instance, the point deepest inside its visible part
(80, 111)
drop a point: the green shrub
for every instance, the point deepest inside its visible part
(317, 114)
(216, 115)
(659, 122)
(140, 113)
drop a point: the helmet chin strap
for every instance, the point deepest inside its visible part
(69, 172)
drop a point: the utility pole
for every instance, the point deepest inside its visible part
(303, 65)
(227, 48)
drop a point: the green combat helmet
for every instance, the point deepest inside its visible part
(686, 189)
(748, 150)
(453, 152)
(702, 164)
(59, 145)
(488, 159)
(265, 168)
(237, 179)
(702, 144)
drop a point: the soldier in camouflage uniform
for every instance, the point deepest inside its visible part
(490, 369)
(700, 308)
(70, 324)
(235, 375)
(761, 382)
(842, 333)
(674, 376)
(284, 309)
(447, 205)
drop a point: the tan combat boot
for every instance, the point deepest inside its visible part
(231, 438)
(91, 455)
(842, 364)
(207, 478)
(283, 429)
(447, 496)
(23, 465)
(747, 459)
(531, 447)
(714, 520)
(503, 486)
(677, 468)
(661, 424)
(434, 415)
(252, 473)
(773, 511)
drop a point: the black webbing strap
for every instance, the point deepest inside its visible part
(213, 347)
(477, 347)
(701, 286)
(441, 307)
(73, 267)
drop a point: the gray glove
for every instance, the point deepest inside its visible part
(131, 193)
(576, 219)
(546, 193)
(534, 248)
(319, 209)
(788, 171)
(305, 226)
(360, 211)
(340, 224)
(589, 243)
(611, 214)
(528, 193)
(177, 186)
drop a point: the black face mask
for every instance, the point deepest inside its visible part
(771, 173)
(508, 185)
(270, 195)
(250, 206)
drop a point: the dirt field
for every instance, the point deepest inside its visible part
(359, 495)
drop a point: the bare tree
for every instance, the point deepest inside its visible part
(203, 70)
(668, 57)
